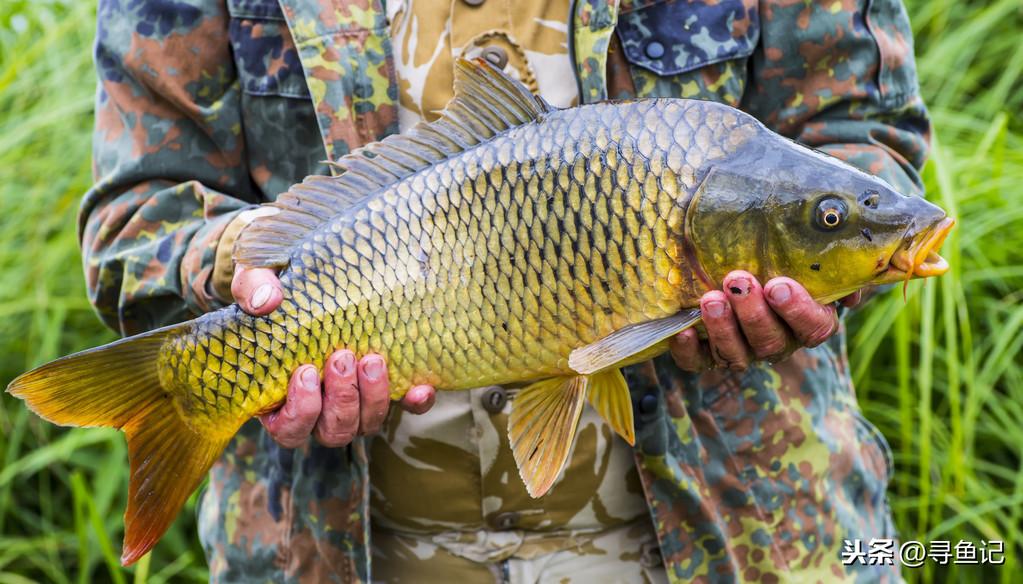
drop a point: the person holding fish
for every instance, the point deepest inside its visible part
(738, 454)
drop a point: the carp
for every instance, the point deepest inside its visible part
(507, 242)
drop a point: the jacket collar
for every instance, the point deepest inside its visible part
(590, 29)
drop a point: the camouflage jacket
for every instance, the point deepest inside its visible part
(206, 107)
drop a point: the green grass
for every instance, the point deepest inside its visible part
(62, 492)
(941, 374)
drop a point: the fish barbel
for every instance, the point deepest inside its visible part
(506, 242)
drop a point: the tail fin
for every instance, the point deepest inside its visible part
(118, 386)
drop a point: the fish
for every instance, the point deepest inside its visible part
(506, 242)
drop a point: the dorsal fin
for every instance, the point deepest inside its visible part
(487, 103)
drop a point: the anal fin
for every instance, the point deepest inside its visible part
(609, 395)
(542, 428)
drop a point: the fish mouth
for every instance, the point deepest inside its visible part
(920, 259)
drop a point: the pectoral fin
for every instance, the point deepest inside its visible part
(542, 427)
(609, 395)
(629, 344)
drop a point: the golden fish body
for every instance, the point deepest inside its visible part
(490, 267)
(507, 242)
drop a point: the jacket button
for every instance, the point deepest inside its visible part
(506, 521)
(650, 555)
(496, 56)
(655, 50)
(473, 2)
(494, 399)
(648, 404)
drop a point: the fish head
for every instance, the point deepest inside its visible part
(791, 211)
(840, 239)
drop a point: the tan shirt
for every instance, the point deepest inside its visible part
(452, 469)
(530, 35)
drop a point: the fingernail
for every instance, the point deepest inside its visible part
(417, 394)
(780, 293)
(715, 309)
(261, 295)
(345, 364)
(373, 368)
(739, 287)
(309, 377)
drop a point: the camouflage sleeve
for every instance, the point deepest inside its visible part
(169, 161)
(841, 77)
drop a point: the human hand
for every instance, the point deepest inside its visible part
(352, 397)
(746, 322)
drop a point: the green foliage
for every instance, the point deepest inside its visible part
(941, 374)
(61, 492)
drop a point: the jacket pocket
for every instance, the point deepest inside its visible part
(669, 38)
(264, 51)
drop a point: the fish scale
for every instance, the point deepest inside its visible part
(508, 242)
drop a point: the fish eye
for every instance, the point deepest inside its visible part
(831, 214)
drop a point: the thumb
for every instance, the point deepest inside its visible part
(419, 399)
(256, 290)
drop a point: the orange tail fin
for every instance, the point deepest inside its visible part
(118, 386)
